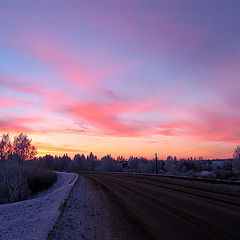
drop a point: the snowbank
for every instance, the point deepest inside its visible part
(34, 218)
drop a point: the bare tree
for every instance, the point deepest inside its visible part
(236, 158)
(236, 154)
(5, 147)
(23, 148)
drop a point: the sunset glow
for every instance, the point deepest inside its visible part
(127, 77)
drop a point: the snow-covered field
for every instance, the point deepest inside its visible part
(34, 218)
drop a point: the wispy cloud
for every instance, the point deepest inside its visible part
(126, 70)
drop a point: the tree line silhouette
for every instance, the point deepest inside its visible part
(18, 158)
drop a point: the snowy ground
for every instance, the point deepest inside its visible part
(84, 216)
(34, 218)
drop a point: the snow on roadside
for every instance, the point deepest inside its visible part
(34, 218)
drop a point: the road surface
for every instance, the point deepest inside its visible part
(105, 206)
(173, 210)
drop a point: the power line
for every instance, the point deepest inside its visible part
(216, 154)
(204, 148)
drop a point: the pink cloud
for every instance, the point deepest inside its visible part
(8, 102)
(83, 70)
(53, 97)
(13, 126)
(107, 116)
(209, 126)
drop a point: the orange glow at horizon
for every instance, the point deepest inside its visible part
(136, 147)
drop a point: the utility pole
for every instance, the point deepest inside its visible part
(156, 158)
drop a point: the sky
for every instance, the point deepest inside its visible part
(126, 77)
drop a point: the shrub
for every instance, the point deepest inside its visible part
(190, 173)
(206, 174)
(39, 179)
(20, 182)
(226, 174)
(13, 184)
